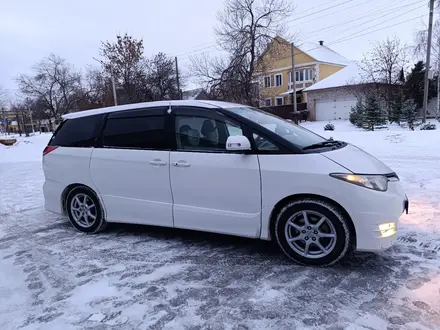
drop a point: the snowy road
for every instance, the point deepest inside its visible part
(132, 277)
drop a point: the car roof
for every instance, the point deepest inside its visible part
(146, 105)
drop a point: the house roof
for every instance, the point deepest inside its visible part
(350, 75)
(322, 53)
(191, 94)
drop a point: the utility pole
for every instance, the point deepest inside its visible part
(178, 80)
(293, 78)
(428, 57)
(115, 98)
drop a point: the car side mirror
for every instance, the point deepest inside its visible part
(238, 143)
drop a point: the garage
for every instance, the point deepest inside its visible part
(334, 108)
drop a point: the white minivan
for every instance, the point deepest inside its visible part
(224, 168)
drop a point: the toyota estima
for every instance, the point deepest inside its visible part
(224, 168)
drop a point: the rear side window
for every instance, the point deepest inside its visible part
(78, 132)
(135, 133)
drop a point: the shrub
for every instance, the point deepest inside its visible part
(356, 114)
(329, 127)
(428, 127)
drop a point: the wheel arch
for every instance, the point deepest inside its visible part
(277, 208)
(70, 188)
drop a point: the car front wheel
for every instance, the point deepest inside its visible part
(313, 232)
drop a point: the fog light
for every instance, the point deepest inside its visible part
(387, 229)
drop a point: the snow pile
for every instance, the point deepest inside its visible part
(26, 149)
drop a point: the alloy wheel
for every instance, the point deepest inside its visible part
(310, 234)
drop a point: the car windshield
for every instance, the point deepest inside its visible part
(289, 131)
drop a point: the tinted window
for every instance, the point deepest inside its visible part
(204, 134)
(79, 132)
(135, 133)
(264, 144)
(295, 134)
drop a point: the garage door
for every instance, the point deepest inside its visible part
(333, 109)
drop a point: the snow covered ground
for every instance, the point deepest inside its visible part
(132, 277)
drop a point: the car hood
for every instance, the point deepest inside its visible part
(357, 160)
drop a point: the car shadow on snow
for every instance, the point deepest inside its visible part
(237, 249)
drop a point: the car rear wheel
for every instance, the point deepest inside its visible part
(84, 210)
(313, 232)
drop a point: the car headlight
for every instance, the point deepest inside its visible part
(375, 182)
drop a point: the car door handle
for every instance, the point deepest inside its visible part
(158, 162)
(181, 164)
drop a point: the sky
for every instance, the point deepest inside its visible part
(31, 30)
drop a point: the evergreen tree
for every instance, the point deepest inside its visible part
(373, 114)
(357, 113)
(415, 83)
(396, 110)
(410, 113)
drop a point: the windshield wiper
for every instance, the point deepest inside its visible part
(324, 144)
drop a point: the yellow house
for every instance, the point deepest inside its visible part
(313, 62)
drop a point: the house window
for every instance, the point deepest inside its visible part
(279, 80)
(279, 101)
(267, 81)
(267, 102)
(309, 74)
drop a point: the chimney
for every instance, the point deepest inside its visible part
(321, 42)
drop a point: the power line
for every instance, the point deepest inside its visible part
(367, 14)
(335, 12)
(319, 11)
(382, 22)
(210, 45)
(296, 18)
(327, 8)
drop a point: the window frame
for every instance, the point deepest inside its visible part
(135, 113)
(96, 132)
(270, 101)
(270, 81)
(223, 115)
(279, 98)
(281, 79)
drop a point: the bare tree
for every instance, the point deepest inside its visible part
(125, 60)
(246, 27)
(53, 82)
(3, 96)
(385, 65)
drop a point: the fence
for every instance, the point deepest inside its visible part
(286, 111)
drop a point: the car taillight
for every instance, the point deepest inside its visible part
(48, 149)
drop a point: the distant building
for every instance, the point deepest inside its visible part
(313, 63)
(195, 94)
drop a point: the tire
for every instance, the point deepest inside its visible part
(328, 234)
(87, 219)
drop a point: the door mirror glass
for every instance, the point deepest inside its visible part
(238, 143)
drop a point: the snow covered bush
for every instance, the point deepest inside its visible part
(428, 127)
(329, 127)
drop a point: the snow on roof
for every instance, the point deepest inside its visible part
(322, 53)
(191, 94)
(145, 105)
(350, 75)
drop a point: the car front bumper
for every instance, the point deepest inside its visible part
(377, 220)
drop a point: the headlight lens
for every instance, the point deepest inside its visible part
(375, 182)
